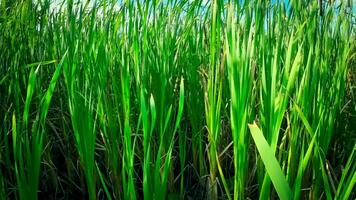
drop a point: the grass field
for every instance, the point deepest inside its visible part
(177, 99)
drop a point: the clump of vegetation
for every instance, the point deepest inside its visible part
(177, 99)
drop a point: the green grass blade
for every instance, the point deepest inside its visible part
(272, 167)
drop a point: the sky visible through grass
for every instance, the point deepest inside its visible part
(55, 5)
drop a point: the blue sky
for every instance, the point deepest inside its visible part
(273, 1)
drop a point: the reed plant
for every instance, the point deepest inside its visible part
(177, 99)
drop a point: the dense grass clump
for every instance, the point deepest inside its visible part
(177, 99)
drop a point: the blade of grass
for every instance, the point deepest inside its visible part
(272, 166)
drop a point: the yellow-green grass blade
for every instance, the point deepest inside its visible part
(271, 164)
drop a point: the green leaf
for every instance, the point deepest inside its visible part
(48, 96)
(272, 166)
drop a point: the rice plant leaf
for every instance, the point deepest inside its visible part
(307, 156)
(14, 135)
(107, 193)
(30, 90)
(272, 167)
(153, 113)
(48, 62)
(180, 105)
(347, 182)
(48, 96)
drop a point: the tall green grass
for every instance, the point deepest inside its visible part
(177, 99)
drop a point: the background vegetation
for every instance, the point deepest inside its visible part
(177, 99)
